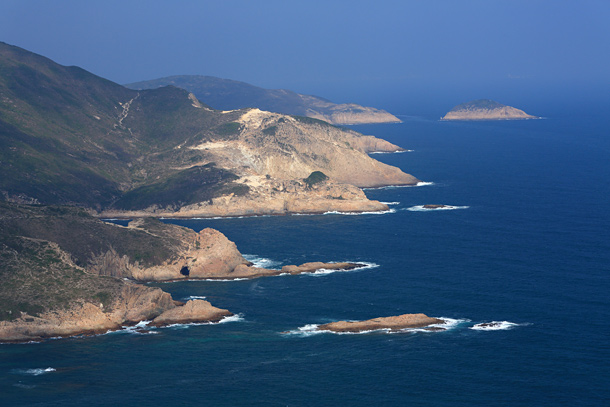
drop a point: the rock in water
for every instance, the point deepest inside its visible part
(485, 109)
(393, 323)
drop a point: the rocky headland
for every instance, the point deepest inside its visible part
(485, 109)
(394, 323)
(226, 94)
(67, 273)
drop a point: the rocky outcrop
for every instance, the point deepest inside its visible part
(199, 256)
(136, 303)
(435, 206)
(291, 148)
(245, 271)
(485, 109)
(392, 323)
(193, 311)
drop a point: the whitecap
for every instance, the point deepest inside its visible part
(495, 326)
(421, 208)
(262, 262)
(391, 203)
(34, 372)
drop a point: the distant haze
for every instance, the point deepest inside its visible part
(342, 50)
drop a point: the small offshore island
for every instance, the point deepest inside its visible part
(393, 324)
(485, 109)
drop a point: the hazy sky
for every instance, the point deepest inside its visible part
(310, 46)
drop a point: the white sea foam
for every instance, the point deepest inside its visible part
(391, 152)
(305, 331)
(391, 203)
(195, 297)
(419, 184)
(495, 326)
(421, 208)
(141, 328)
(447, 324)
(262, 262)
(232, 318)
(323, 272)
(34, 372)
(360, 213)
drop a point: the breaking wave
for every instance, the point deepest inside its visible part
(262, 262)
(419, 184)
(391, 152)
(495, 326)
(323, 272)
(313, 329)
(232, 318)
(421, 208)
(195, 297)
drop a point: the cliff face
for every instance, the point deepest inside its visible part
(485, 110)
(226, 94)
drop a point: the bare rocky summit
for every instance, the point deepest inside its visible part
(394, 323)
(485, 109)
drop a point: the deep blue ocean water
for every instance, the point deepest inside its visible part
(530, 246)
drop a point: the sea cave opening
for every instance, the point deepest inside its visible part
(185, 271)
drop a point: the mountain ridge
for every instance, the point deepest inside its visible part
(228, 94)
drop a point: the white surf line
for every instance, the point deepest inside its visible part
(496, 326)
(422, 208)
(313, 329)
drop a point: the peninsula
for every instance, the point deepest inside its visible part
(67, 273)
(161, 152)
(485, 109)
(226, 94)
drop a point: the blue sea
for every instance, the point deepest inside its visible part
(527, 245)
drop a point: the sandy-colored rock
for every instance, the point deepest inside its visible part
(269, 196)
(244, 271)
(287, 148)
(136, 303)
(392, 323)
(192, 311)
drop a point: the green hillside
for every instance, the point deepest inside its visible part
(70, 137)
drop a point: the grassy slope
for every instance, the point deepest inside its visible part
(63, 142)
(36, 277)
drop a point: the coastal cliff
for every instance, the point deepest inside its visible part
(485, 109)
